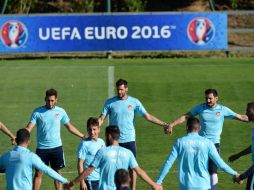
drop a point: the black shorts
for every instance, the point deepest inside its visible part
(131, 146)
(212, 168)
(52, 156)
(92, 185)
(248, 184)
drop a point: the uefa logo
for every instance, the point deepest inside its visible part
(14, 34)
(201, 31)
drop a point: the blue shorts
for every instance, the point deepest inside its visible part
(212, 168)
(92, 185)
(52, 156)
(130, 146)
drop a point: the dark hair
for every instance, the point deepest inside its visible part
(250, 111)
(211, 91)
(250, 105)
(51, 92)
(121, 82)
(22, 136)
(114, 131)
(121, 177)
(92, 121)
(192, 123)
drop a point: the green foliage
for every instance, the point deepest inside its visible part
(234, 4)
(20, 6)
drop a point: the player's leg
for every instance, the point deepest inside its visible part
(132, 147)
(213, 170)
(57, 162)
(248, 184)
(37, 180)
(43, 154)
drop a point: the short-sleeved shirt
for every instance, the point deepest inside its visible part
(122, 113)
(211, 120)
(86, 151)
(48, 122)
(193, 152)
(110, 159)
(19, 163)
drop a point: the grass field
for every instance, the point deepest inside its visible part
(167, 88)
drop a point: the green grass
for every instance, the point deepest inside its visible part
(167, 88)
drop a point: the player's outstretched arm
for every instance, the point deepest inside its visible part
(84, 174)
(7, 132)
(236, 156)
(30, 126)
(178, 121)
(74, 130)
(147, 179)
(80, 167)
(101, 119)
(243, 118)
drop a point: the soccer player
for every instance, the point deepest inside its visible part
(193, 153)
(211, 117)
(19, 163)
(249, 173)
(86, 152)
(48, 119)
(7, 132)
(122, 179)
(112, 158)
(121, 110)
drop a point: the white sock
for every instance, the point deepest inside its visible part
(214, 181)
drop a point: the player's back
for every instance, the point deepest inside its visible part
(18, 168)
(109, 160)
(193, 157)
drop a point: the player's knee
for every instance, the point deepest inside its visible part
(38, 174)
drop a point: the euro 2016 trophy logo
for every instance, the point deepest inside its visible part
(14, 34)
(201, 31)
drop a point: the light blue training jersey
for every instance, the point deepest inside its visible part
(193, 152)
(19, 163)
(211, 120)
(86, 151)
(122, 113)
(48, 122)
(110, 159)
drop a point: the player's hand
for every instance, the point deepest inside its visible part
(83, 185)
(168, 129)
(236, 179)
(157, 187)
(13, 141)
(233, 157)
(69, 185)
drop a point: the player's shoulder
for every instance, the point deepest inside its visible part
(39, 109)
(59, 109)
(112, 99)
(101, 141)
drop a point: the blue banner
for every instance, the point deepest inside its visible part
(128, 32)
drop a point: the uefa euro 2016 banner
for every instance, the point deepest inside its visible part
(117, 32)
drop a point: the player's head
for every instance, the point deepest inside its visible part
(122, 178)
(22, 136)
(192, 125)
(211, 97)
(51, 98)
(112, 133)
(122, 88)
(93, 128)
(250, 111)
